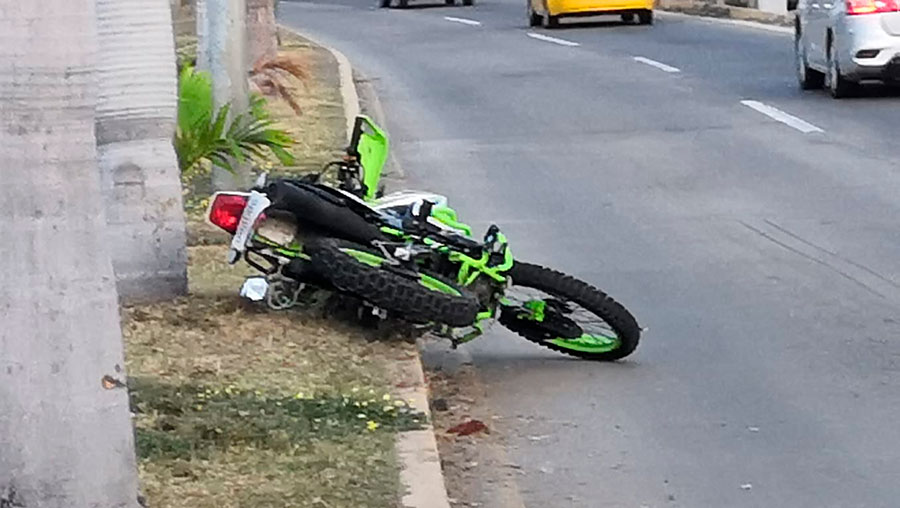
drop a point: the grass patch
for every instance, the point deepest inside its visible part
(191, 422)
(237, 406)
(319, 474)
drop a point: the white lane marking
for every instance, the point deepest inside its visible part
(554, 40)
(785, 118)
(464, 21)
(659, 65)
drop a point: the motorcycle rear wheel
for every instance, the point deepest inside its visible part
(414, 296)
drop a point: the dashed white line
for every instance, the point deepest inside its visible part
(464, 21)
(554, 40)
(785, 118)
(659, 65)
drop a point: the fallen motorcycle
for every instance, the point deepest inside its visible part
(406, 254)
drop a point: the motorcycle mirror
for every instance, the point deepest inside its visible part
(425, 209)
(261, 180)
(491, 234)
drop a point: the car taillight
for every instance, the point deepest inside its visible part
(856, 7)
(226, 210)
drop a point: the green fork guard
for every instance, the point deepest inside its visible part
(370, 145)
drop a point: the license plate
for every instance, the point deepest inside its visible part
(256, 204)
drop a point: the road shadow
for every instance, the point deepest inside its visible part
(869, 93)
(608, 22)
(420, 6)
(877, 91)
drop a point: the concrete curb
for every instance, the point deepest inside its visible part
(783, 30)
(753, 18)
(420, 474)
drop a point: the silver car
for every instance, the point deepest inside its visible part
(840, 43)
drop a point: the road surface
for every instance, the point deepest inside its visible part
(752, 227)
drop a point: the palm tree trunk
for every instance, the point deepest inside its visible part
(136, 113)
(229, 68)
(65, 433)
(200, 11)
(262, 30)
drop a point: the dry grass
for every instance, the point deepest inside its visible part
(238, 406)
(274, 77)
(320, 131)
(353, 472)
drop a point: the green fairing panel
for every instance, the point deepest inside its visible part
(370, 143)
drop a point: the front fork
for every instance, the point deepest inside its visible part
(469, 333)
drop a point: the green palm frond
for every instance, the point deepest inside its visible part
(205, 135)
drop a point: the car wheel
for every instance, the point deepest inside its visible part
(628, 17)
(403, 3)
(534, 19)
(551, 21)
(809, 79)
(468, 2)
(384, 4)
(837, 84)
(450, 2)
(645, 18)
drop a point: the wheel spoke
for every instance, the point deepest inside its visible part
(597, 334)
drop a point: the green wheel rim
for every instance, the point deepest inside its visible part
(437, 285)
(597, 336)
(425, 280)
(589, 343)
(364, 257)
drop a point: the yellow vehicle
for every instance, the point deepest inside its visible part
(547, 12)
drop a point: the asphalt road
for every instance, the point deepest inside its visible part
(762, 255)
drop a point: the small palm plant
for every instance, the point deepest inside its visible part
(205, 135)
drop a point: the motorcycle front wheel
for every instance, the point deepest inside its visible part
(567, 315)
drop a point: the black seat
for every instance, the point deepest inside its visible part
(327, 213)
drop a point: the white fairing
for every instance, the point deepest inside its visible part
(410, 202)
(409, 198)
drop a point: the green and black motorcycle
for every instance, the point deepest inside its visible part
(406, 254)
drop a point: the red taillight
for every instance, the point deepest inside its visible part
(856, 7)
(226, 210)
